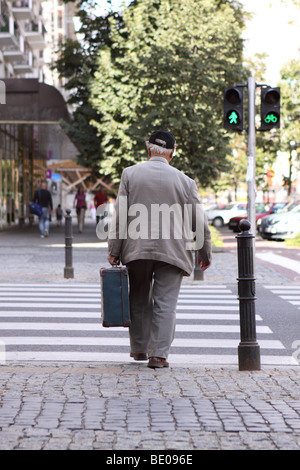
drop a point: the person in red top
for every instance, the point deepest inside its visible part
(100, 199)
(80, 204)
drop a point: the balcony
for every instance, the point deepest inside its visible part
(9, 32)
(21, 69)
(25, 65)
(13, 56)
(34, 33)
(22, 9)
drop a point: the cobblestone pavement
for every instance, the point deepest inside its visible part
(117, 407)
(109, 406)
(28, 258)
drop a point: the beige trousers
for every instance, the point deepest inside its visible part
(154, 290)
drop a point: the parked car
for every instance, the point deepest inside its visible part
(285, 224)
(261, 211)
(276, 208)
(221, 216)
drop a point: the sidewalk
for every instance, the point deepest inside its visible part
(27, 258)
(128, 406)
(132, 407)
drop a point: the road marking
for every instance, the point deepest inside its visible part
(279, 260)
(121, 358)
(112, 341)
(66, 320)
(284, 292)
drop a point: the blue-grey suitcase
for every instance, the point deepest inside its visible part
(115, 297)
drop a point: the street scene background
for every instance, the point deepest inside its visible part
(69, 383)
(82, 87)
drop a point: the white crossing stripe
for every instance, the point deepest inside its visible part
(90, 314)
(218, 307)
(279, 287)
(105, 341)
(97, 327)
(279, 260)
(289, 293)
(174, 359)
(62, 322)
(96, 297)
(52, 305)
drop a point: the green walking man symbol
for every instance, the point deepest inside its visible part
(233, 118)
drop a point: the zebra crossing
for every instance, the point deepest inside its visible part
(62, 322)
(290, 293)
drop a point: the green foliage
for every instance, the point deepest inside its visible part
(174, 60)
(216, 240)
(77, 64)
(290, 102)
(293, 242)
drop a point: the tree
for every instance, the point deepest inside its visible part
(176, 59)
(77, 64)
(290, 115)
(290, 101)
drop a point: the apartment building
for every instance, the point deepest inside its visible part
(30, 133)
(22, 39)
(30, 31)
(58, 18)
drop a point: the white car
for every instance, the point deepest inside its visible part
(221, 216)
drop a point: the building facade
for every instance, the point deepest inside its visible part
(30, 134)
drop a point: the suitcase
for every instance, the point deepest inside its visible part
(115, 297)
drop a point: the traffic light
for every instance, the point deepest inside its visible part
(233, 109)
(270, 108)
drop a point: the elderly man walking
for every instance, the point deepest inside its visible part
(158, 219)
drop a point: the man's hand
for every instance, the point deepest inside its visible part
(113, 259)
(203, 264)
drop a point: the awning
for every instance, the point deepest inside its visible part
(30, 102)
(74, 175)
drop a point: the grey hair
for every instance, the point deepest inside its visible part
(157, 149)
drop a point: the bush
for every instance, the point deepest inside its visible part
(293, 241)
(215, 237)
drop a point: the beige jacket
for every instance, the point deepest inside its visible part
(152, 195)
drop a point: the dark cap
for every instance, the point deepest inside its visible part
(163, 138)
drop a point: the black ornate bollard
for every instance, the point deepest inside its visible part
(248, 349)
(68, 271)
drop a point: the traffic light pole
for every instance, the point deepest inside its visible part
(248, 349)
(251, 153)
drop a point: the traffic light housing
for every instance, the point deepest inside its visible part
(234, 109)
(270, 108)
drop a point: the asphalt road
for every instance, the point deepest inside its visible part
(278, 313)
(26, 259)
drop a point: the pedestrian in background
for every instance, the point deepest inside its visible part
(80, 204)
(44, 199)
(156, 265)
(100, 199)
(59, 214)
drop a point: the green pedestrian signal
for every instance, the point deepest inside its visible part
(233, 118)
(233, 108)
(270, 108)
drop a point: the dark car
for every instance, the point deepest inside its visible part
(261, 211)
